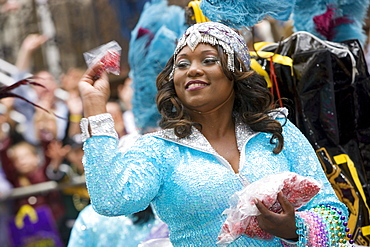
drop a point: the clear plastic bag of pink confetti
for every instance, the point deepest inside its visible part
(109, 54)
(241, 216)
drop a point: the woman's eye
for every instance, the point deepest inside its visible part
(210, 61)
(182, 64)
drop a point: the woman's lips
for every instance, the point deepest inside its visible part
(195, 85)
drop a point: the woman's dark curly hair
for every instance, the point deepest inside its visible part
(253, 102)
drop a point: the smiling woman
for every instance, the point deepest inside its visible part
(220, 132)
(197, 70)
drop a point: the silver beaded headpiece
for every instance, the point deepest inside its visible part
(215, 33)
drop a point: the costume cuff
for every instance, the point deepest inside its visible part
(99, 125)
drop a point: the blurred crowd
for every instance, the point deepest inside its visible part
(43, 144)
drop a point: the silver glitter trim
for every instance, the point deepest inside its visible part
(198, 141)
(84, 126)
(193, 39)
(214, 33)
(100, 125)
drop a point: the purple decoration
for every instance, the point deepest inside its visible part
(43, 232)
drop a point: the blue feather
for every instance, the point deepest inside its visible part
(160, 26)
(246, 13)
(354, 10)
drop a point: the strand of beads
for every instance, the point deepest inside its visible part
(301, 231)
(317, 235)
(333, 225)
(322, 226)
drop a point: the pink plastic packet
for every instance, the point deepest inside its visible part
(241, 216)
(109, 54)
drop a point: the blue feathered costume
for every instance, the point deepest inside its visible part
(152, 43)
(334, 20)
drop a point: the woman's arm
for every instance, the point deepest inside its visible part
(119, 183)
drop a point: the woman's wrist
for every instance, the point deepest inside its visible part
(93, 106)
(94, 111)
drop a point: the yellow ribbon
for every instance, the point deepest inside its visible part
(258, 68)
(198, 14)
(276, 58)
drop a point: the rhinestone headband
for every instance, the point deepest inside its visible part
(215, 33)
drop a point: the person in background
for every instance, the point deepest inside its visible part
(8, 5)
(125, 93)
(66, 168)
(114, 108)
(43, 96)
(69, 91)
(25, 164)
(220, 131)
(5, 186)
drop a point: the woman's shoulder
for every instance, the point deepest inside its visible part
(161, 135)
(153, 145)
(158, 138)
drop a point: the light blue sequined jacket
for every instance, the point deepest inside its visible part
(187, 182)
(94, 230)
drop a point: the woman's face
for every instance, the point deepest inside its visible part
(199, 80)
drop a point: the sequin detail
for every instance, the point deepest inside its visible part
(215, 33)
(188, 185)
(100, 125)
(92, 229)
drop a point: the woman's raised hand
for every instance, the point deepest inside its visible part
(94, 90)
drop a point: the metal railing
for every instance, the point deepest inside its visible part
(40, 188)
(7, 69)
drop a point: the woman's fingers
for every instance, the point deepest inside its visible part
(95, 80)
(94, 92)
(262, 208)
(93, 73)
(279, 224)
(286, 205)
